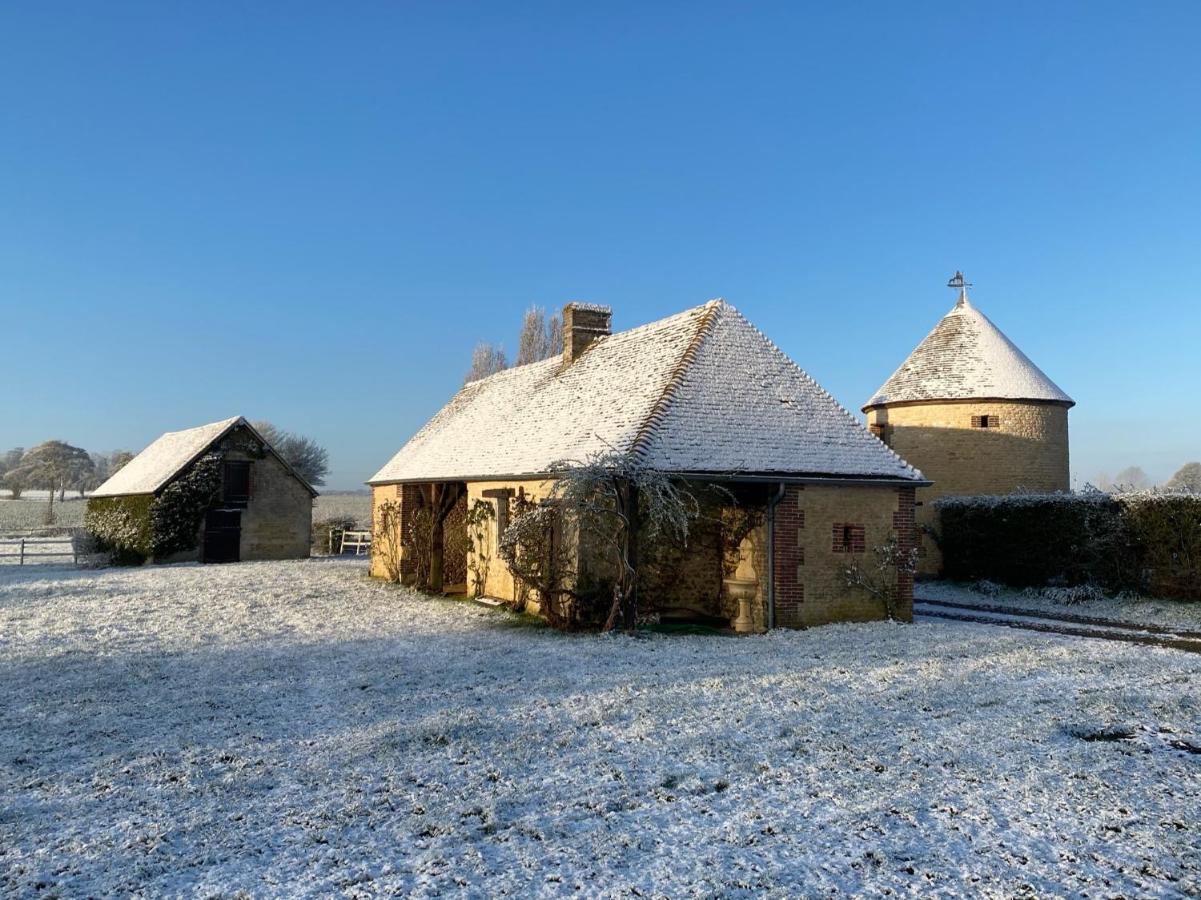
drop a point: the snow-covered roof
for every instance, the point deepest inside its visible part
(700, 392)
(170, 454)
(967, 357)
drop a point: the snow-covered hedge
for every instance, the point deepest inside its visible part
(121, 527)
(1147, 541)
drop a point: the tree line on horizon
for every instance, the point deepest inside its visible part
(1133, 478)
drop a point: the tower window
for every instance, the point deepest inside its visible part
(986, 421)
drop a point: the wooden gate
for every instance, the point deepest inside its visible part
(222, 535)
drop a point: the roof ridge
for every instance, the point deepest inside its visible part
(817, 385)
(650, 424)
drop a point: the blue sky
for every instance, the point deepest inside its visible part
(311, 213)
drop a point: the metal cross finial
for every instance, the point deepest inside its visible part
(957, 281)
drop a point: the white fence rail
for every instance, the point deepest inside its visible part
(29, 550)
(358, 541)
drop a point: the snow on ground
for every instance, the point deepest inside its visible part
(294, 729)
(29, 513)
(1183, 614)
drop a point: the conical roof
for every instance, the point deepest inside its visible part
(700, 392)
(967, 357)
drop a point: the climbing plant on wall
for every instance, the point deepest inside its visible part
(178, 511)
(121, 527)
(479, 531)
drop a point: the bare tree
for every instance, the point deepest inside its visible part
(117, 461)
(540, 338)
(96, 477)
(305, 455)
(1132, 478)
(531, 344)
(880, 580)
(486, 359)
(613, 502)
(54, 465)
(554, 335)
(1187, 478)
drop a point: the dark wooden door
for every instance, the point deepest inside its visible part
(222, 535)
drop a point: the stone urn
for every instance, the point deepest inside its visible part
(743, 587)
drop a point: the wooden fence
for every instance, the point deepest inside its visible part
(358, 541)
(22, 550)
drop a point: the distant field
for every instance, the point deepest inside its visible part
(30, 511)
(332, 506)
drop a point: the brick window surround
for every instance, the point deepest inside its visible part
(849, 538)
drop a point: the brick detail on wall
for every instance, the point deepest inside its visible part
(848, 538)
(789, 557)
(905, 527)
(407, 496)
(409, 501)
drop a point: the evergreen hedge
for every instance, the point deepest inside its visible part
(121, 527)
(1148, 542)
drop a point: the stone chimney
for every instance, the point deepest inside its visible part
(583, 323)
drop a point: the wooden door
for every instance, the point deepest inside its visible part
(222, 535)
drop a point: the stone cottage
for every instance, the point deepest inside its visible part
(975, 414)
(214, 493)
(702, 396)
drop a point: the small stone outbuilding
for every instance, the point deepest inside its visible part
(975, 414)
(704, 397)
(214, 493)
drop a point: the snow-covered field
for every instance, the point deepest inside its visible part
(1184, 614)
(356, 506)
(29, 513)
(294, 729)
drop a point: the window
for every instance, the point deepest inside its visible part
(879, 430)
(235, 490)
(990, 421)
(501, 496)
(849, 538)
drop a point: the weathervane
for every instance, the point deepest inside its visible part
(958, 282)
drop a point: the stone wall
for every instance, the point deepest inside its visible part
(819, 531)
(809, 554)
(278, 520)
(677, 580)
(498, 581)
(1027, 450)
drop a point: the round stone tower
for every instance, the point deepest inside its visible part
(972, 412)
